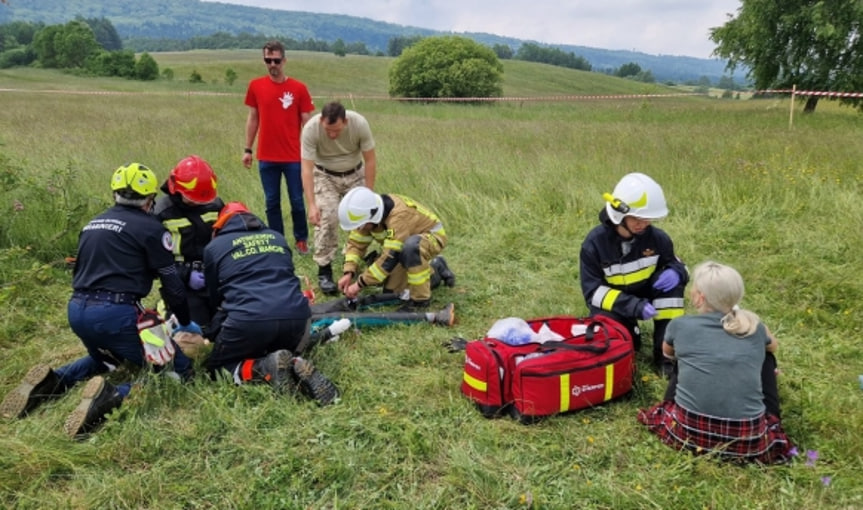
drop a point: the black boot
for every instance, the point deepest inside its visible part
(40, 384)
(98, 399)
(274, 369)
(441, 273)
(414, 306)
(313, 383)
(325, 280)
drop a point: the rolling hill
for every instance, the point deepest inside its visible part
(183, 19)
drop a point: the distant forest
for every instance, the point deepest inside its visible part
(176, 25)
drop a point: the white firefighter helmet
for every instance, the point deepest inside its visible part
(637, 195)
(360, 206)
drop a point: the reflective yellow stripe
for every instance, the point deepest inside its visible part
(393, 244)
(356, 236)
(564, 392)
(668, 313)
(174, 227)
(210, 217)
(475, 383)
(609, 381)
(152, 338)
(377, 272)
(419, 278)
(353, 257)
(631, 278)
(609, 299)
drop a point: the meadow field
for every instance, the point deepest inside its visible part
(518, 184)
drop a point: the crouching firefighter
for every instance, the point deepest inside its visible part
(250, 273)
(411, 237)
(628, 268)
(188, 210)
(119, 253)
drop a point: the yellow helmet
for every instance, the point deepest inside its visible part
(134, 180)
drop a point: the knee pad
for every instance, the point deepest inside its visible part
(410, 256)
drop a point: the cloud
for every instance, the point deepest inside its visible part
(670, 27)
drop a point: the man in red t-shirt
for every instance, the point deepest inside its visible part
(279, 106)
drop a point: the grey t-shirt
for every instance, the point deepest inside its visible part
(343, 153)
(719, 374)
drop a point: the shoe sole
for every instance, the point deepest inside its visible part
(282, 380)
(314, 383)
(15, 403)
(76, 421)
(446, 317)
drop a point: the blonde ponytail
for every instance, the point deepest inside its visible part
(722, 288)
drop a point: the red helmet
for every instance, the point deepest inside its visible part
(194, 179)
(230, 209)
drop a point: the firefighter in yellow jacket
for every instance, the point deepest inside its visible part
(411, 237)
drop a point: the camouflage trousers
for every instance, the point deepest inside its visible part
(329, 190)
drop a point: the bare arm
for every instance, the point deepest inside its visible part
(667, 350)
(371, 167)
(252, 122)
(304, 117)
(308, 176)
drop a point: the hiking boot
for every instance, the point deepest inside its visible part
(98, 399)
(443, 272)
(275, 370)
(325, 280)
(314, 384)
(40, 384)
(414, 306)
(445, 317)
(302, 247)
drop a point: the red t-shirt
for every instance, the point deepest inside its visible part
(280, 107)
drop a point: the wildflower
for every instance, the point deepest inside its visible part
(383, 411)
(576, 467)
(793, 451)
(590, 439)
(18, 206)
(825, 480)
(811, 456)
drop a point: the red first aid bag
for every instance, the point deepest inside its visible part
(593, 363)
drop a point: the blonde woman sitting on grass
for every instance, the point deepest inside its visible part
(722, 398)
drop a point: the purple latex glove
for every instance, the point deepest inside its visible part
(648, 312)
(196, 280)
(667, 280)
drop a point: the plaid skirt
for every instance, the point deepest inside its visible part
(758, 439)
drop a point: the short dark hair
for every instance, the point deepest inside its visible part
(272, 46)
(333, 112)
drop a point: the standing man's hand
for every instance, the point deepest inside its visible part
(314, 214)
(247, 159)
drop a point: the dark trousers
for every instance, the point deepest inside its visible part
(768, 386)
(271, 180)
(238, 341)
(109, 331)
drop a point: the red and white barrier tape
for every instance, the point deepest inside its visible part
(809, 93)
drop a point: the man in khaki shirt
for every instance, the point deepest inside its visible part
(338, 154)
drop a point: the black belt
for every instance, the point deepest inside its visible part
(120, 298)
(340, 174)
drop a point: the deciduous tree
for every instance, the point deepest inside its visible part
(813, 44)
(449, 66)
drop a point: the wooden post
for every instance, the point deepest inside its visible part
(791, 115)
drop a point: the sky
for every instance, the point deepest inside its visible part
(657, 27)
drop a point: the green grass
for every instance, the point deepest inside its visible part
(518, 185)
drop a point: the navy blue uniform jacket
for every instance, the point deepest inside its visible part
(249, 270)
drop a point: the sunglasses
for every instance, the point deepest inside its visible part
(276, 61)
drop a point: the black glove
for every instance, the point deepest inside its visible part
(455, 344)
